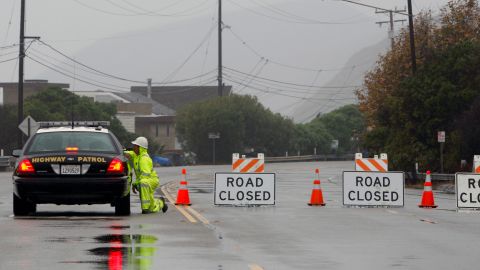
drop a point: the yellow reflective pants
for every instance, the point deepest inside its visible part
(147, 188)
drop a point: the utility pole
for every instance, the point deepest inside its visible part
(410, 22)
(391, 32)
(220, 78)
(149, 88)
(412, 37)
(21, 56)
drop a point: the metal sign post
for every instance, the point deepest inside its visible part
(441, 140)
(213, 137)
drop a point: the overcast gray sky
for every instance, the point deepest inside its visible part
(304, 42)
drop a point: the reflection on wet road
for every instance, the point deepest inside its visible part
(125, 251)
(290, 235)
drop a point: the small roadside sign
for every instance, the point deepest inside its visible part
(212, 135)
(244, 189)
(467, 186)
(334, 144)
(441, 136)
(373, 188)
(29, 126)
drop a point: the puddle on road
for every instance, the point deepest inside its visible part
(119, 227)
(124, 251)
(66, 225)
(65, 239)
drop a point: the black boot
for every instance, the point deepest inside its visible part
(165, 206)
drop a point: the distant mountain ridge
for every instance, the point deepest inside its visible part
(352, 74)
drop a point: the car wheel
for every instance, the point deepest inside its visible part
(122, 206)
(22, 207)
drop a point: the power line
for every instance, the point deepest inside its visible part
(291, 83)
(331, 100)
(207, 47)
(289, 15)
(99, 85)
(8, 60)
(9, 53)
(371, 6)
(145, 10)
(252, 77)
(255, 52)
(183, 13)
(73, 77)
(39, 58)
(286, 88)
(281, 94)
(155, 13)
(14, 70)
(95, 72)
(250, 72)
(263, 89)
(174, 73)
(8, 46)
(188, 88)
(10, 22)
(286, 18)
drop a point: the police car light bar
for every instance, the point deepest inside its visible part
(75, 124)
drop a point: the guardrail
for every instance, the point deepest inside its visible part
(5, 162)
(438, 176)
(310, 158)
(434, 176)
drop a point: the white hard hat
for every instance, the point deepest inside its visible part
(141, 141)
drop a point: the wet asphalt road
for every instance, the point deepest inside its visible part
(290, 235)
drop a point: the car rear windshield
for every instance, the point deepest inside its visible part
(71, 140)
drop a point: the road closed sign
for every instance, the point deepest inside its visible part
(373, 188)
(244, 189)
(467, 186)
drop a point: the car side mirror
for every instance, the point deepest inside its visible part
(17, 152)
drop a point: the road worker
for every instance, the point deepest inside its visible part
(146, 179)
(130, 154)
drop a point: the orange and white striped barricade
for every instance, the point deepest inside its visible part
(374, 164)
(248, 165)
(476, 164)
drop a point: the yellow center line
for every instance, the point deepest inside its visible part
(198, 215)
(188, 208)
(255, 267)
(181, 210)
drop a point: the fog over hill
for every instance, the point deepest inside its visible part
(356, 68)
(294, 55)
(254, 47)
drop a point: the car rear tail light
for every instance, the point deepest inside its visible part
(25, 166)
(116, 166)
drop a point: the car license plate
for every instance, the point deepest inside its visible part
(70, 169)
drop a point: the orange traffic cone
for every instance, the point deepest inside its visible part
(427, 198)
(183, 198)
(317, 197)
